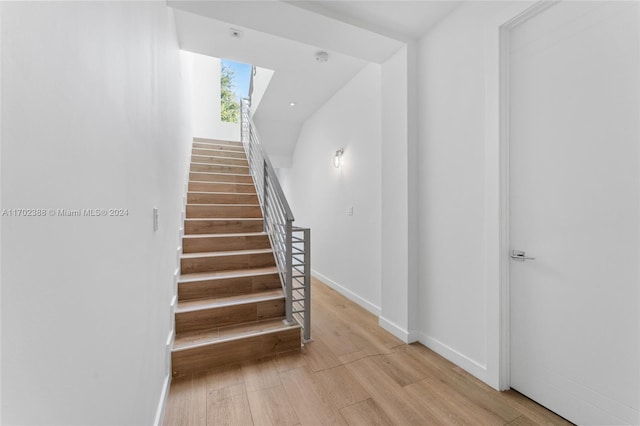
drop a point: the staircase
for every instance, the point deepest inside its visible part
(231, 305)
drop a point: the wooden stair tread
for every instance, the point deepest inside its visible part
(224, 205)
(216, 141)
(222, 173)
(238, 234)
(219, 219)
(212, 155)
(237, 273)
(217, 302)
(223, 193)
(222, 149)
(208, 164)
(225, 253)
(206, 181)
(216, 335)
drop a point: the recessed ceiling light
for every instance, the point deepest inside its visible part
(235, 33)
(322, 56)
(292, 104)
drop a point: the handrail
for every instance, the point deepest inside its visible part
(278, 224)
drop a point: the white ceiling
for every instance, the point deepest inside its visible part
(284, 37)
(400, 19)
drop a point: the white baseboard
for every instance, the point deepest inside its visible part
(461, 360)
(162, 404)
(375, 310)
(396, 330)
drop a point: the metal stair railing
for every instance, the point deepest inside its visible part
(291, 245)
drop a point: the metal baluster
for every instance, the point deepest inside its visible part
(265, 174)
(289, 275)
(307, 284)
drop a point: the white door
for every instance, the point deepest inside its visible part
(574, 203)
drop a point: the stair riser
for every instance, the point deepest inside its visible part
(222, 187)
(209, 244)
(227, 286)
(228, 315)
(209, 159)
(225, 263)
(223, 211)
(221, 198)
(220, 177)
(224, 353)
(219, 153)
(196, 226)
(215, 168)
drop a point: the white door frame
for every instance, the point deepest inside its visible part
(497, 184)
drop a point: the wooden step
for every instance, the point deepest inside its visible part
(210, 159)
(219, 347)
(219, 168)
(221, 177)
(224, 210)
(221, 198)
(219, 152)
(245, 188)
(217, 142)
(222, 225)
(226, 260)
(220, 146)
(223, 242)
(214, 144)
(204, 285)
(203, 314)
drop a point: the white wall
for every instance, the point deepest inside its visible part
(92, 118)
(260, 84)
(275, 135)
(458, 187)
(346, 249)
(399, 286)
(205, 99)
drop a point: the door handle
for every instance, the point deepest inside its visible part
(519, 255)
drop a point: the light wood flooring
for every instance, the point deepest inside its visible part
(352, 373)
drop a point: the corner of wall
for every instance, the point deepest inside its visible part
(375, 310)
(396, 330)
(458, 358)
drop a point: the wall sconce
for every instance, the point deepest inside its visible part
(337, 159)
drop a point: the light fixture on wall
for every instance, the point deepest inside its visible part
(337, 158)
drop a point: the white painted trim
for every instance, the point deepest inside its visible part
(504, 363)
(174, 302)
(461, 360)
(1, 405)
(162, 404)
(396, 330)
(375, 310)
